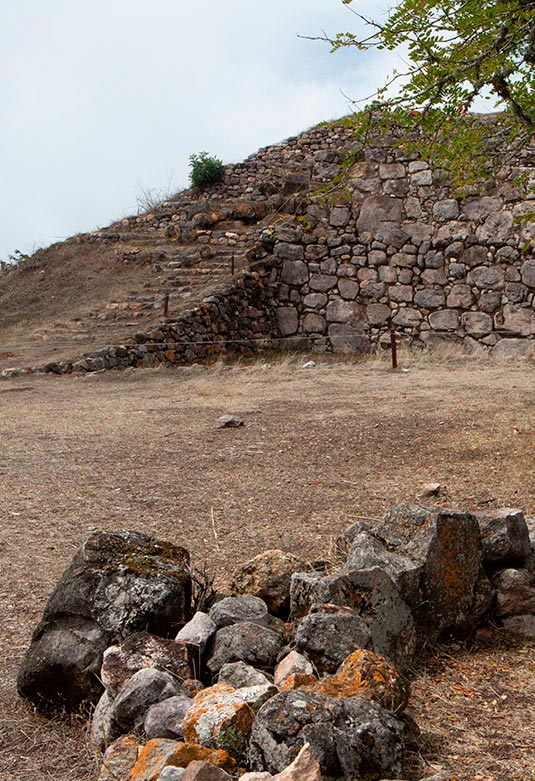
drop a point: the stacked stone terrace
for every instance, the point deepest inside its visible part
(329, 256)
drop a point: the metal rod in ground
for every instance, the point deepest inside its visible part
(232, 265)
(394, 349)
(166, 305)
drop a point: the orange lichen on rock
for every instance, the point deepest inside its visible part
(222, 717)
(366, 674)
(296, 680)
(160, 753)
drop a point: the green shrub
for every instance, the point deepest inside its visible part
(205, 170)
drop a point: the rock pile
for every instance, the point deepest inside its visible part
(317, 691)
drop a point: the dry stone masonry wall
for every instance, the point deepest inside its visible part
(334, 244)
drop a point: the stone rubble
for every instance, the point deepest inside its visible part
(322, 697)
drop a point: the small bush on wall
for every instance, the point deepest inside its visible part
(205, 170)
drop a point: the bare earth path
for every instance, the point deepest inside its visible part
(320, 447)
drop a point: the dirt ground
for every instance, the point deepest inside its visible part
(320, 448)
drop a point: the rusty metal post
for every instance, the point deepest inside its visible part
(394, 348)
(166, 305)
(232, 265)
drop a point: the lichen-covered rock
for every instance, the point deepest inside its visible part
(505, 535)
(234, 610)
(268, 576)
(368, 675)
(515, 592)
(446, 551)
(142, 690)
(160, 753)
(350, 738)
(251, 643)
(164, 719)
(239, 675)
(329, 633)
(222, 717)
(139, 651)
(119, 759)
(118, 583)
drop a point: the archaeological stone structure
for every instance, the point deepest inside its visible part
(334, 245)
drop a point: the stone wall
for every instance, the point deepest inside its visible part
(340, 244)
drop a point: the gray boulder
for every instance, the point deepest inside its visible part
(246, 642)
(103, 729)
(164, 719)
(374, 598)
(350, 738)
(446, 587)
(198, 631)
(233, 610)
(118, 583)
(144, 688)
(515, 592)
(329, 633)
(505, 535)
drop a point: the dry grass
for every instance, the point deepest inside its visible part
(319, 448)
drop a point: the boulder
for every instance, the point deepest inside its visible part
(375, 598)
(234, 610)
(523, 626)
(246, 642)
(505, 535)
(515, 592)
(329, 633)
(446, 587)
(350, 738)
(119, 759)
(305, 767)
(268, 576)
(222, 717)
(164, 719)
(200, 770)
(144, 688)
(118, 583)
(368, 675)
(139, 651)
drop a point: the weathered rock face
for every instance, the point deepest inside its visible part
(268, 576)
(141, 650)
(446, 587)
(385, 620)
(164, 719)
(515, 592)
(118, 583)
(350, 738)
(256, 645)
(234, 610)
(329, 633)
(505, 536)
(145, 688)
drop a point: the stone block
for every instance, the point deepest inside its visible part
(446, 210)
(460, 297)
(487, 277)
(377, 209)
(446, 320)
(504, 534)
(339, 311)
(349, 289)
(287, 320)
(322, 282)
(477, 323)
(408, 318)
(294, 272)
(378, 314)
(313, 323)
(429, 299)
(339, 216)
(348, 339)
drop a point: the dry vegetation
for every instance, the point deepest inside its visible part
(319, 448)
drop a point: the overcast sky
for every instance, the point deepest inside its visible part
(102, 100)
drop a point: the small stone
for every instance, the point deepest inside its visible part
(309, 365)
(103, 729)
(430, 489)
(228, 421)
(505, 535)
(523, 626)
(305, 767)
(515, 591)
(198, 631)
(240, 675)
(200, 770)
(170, 773)
(160, 753)
(293, 663)
(164, 719)
(268, 576)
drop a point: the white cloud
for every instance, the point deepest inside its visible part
(101, 99)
